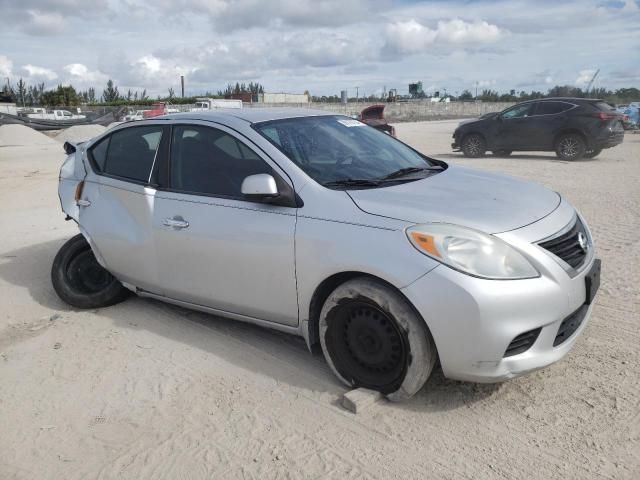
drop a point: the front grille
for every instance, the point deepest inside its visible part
(522, 342)
(568, 247)
(570, 324)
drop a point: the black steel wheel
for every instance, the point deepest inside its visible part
(367, 345)
(570, 146)
(372, 337)
(474, 145)
(80, 280)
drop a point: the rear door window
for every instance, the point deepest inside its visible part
(130, 153)
(552, 108)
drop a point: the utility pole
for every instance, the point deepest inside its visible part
(182, 84)
(357, 94)
(476, 90)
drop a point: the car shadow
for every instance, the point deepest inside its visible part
(514, 156)
(280, 356)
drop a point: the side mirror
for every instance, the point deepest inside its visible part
(260, 186)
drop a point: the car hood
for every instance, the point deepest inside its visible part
(486, 116)
(484, 201)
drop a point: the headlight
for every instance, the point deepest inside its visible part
(470, 251)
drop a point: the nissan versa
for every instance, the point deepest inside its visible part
(321, 226)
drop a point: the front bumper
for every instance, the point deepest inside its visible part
(473, 321)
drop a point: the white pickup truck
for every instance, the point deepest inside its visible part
(42, 114)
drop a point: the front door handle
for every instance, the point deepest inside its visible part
(175, 222)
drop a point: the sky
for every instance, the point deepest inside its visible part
(320, 46)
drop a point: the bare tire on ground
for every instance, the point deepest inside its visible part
(570, 146)
(592, 152)
(502, 153)
(80, 280)
(474, 145)
(372, 337)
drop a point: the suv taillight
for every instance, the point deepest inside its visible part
(605, 116)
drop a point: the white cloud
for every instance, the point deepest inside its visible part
(412, 37)
(39, 73)
(6, 66)
(459, 31)
(630, 6)
(44, 23)
(584, 77)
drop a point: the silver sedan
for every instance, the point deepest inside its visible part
(318, 225)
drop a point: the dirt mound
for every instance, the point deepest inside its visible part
(79, 133)
(21, 136)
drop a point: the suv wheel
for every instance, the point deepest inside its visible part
(80, 280)
(372, 337)
(570, 146)
(474, 145)
(592, 153)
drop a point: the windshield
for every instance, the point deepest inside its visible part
(337, 149)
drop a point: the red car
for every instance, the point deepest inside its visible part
(374, 117)
(157, 109)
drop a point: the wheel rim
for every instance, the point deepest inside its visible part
(569, 147)
(366, 346)
(473, 145)
(84, 274)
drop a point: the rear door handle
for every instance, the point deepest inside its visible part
(175, 223)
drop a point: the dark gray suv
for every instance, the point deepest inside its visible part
(572, 127)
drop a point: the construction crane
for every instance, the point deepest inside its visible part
(591, 82)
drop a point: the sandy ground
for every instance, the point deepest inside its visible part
(146, 390)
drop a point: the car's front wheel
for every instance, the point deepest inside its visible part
(80, 280)
(592, 153)
(570, 146)
(474, 145)
(372, 337)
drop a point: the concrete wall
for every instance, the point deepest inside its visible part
(285, 98)
(403, 111)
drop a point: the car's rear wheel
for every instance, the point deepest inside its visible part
(372, 337)
(80, 280)
(570, 146)
(474, 145)
(502, 153)
(592, 153)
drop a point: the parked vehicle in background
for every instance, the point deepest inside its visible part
(134, 115)
(61, 115)
(206, 104)
(374, 117)
(572, 127)
(157, 109)
(314, 224)
(631, 115)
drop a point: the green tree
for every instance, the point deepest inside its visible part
(110, 94)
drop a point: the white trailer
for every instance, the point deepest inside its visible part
(205, 104)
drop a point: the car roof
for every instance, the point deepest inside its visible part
(563, 99)
(250, 115)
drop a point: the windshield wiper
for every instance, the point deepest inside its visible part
(352, 182)
(409, 170)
